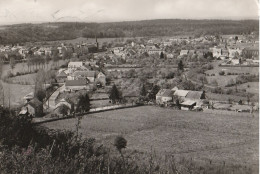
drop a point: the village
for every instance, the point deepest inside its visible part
(129, 87)
(154, 71)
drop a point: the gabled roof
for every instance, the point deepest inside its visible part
(76, 82)
(194, 94)
(78, 64)
(84, 73)
(181, 93)
(188, 103)
(62, 74)
(100, 74)
(184, 51)
(164, 93)
(35, 103)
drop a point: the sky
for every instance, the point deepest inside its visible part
(35, 11)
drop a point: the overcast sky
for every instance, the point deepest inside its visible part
(20, 11)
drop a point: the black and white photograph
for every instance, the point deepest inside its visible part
(129, 86)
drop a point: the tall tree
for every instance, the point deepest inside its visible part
(154, 91)
(83, 104)
(114, 94)
(12, 63)
(64, 109)
(180, 66)
(39, 91)
(143, 91)
(161, 55)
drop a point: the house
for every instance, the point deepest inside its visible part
(167, 43)
(75, 85)
(75, 65)
(164, 96)
(196, 95)
(217, 52)
(61, 76)
(34, 108)
(184, 52)
(180, 93)
(101, 78)
(77, 75)
(170, 56)
(187, 95)
(233, 52)
(188, 105)
(90, 63)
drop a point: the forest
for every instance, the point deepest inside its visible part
(21, 33)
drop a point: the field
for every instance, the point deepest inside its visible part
(239, 70)
(16, 93)
(225, 97)
(22, 67)
(251, 87)
(197, 135)
(28, 79)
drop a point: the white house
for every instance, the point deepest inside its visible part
(164, 96)
(184, 52)
(74, 65)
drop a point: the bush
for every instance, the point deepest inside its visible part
(229, 91)
(221, 73)
(217, 90)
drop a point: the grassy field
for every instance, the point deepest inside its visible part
(16, 93)
(225, 97)
(221, 80)
(239, 70)
(251, 87)
(22, 67)
(200, 136)
(28, 79)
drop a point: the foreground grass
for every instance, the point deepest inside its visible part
(26, 148)
(204, 138)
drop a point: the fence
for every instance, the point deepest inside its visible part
(225, 112)
(91, 111)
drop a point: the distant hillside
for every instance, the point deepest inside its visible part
(162, 27)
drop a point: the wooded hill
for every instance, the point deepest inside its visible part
(20, 33)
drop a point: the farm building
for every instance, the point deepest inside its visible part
(33, 108)
(61, 76)
(188, 105)
(75, 65)
(74, 85)
(78, 75)
(184, 52)
(164, 96)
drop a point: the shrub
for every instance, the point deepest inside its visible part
(229, 91)
(221, 73)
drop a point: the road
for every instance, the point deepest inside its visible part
(50, 103)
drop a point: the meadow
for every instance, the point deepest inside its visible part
(224, 80)
(15, 93)
(203, 137)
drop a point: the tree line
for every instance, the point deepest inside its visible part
(165, 27)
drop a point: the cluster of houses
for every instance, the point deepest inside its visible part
(79, 76)
(187, 99)
(45, 50)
